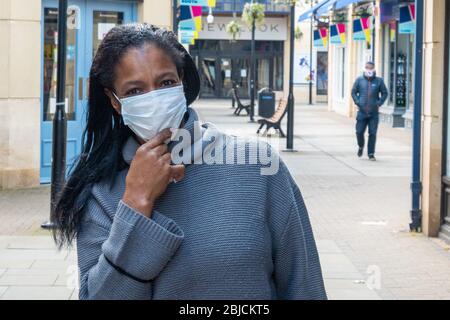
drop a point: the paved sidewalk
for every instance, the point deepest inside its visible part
(359, 211)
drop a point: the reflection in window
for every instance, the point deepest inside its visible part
(50, 66)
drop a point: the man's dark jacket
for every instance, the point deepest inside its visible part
(369, 94)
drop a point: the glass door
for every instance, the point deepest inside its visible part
(262, 74)
(241, 76)
(74, 84)
(208, 77)
(225, 76)
(96, 18)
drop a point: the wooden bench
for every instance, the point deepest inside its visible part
(275, 120)
(240, 105)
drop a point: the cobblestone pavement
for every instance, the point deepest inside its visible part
(359, 211)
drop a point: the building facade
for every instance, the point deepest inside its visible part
(28, 38)
(222, 62)
(393, 52)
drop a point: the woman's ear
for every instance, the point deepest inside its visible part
(114, 102)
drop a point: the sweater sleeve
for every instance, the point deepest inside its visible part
(297, 270)
(119, 259)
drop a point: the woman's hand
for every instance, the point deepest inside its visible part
(150, 173)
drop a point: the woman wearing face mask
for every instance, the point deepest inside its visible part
(147, 228)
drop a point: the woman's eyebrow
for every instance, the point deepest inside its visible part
(166, 74)
(130, 83)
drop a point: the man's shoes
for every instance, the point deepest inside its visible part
(360, 152)
(372, 157)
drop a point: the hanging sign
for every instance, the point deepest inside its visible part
(337, 33)
(321, 37)
(73, 17)
(392, 30)
(188, 34)
(190, 18)
(204, 3)
(407, 23)
(361, 29)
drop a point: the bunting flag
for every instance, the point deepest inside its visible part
(204, 3)
(361, 29)
(321, 37)
(392, 30)
(191, 19)
(189, 33)
(190, 23)
(194, 24)
(407, 23)
(338, 33)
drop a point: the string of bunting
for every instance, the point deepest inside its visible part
(191, 19)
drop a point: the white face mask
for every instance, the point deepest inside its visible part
(369, 73)
(150, 113)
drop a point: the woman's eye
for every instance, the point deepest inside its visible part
(133, 92)
(167, 83)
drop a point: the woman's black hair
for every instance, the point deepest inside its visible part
(105, 133)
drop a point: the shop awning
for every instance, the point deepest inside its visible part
(308, 14)
(335, 5)
(344, 3)
(323, 10)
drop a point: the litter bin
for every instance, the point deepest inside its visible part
(266, 103)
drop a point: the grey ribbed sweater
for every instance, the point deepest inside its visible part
(224, 232)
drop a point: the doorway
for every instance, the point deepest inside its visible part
(222, 64)
(96, 18)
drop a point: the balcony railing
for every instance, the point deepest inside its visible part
(230, 6)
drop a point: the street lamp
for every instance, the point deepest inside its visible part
(210, 17)
(252, 70)
(310, 57)
(291, 101)
(416, 183)
(175, 16)
(59, 119)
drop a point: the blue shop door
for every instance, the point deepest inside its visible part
(96, 18)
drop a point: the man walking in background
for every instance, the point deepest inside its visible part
(369, 93)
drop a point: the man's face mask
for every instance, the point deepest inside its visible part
(150, 113)
(369, 73)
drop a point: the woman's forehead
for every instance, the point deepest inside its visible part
(148, 59)
(146, 56)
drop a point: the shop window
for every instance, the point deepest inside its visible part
(103, 22)
(447, 171)
(50, 56)
(339, 76)
(388, 62)
(278, 73)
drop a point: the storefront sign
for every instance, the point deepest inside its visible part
(361, 29)
(321, 37)
(407, 23)
(271, 29)
(73, 17)
(338, 33)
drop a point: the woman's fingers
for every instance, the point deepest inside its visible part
(160, 150)
(177, 172)
(166, 158)
(158, 139)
